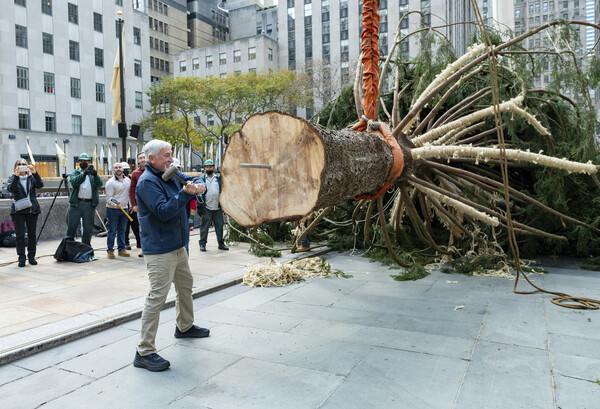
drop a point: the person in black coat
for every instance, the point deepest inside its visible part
(22, 184)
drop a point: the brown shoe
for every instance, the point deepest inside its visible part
(302, 248)
(123, 253)
(110, 254)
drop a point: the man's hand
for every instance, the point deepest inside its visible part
(200, 187)
(134, 209)
(92, 172)
(189, 188)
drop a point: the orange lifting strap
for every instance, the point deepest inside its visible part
(370, 61)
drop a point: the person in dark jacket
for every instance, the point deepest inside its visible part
(22, 184)
(162, 214)
(83, 199)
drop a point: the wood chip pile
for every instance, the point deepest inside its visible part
(275, 274)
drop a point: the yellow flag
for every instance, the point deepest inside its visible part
(115, 91)
(95, 158)
(62, 158)
(30, 154)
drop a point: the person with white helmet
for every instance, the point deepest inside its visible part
(210, 206)
(126, 169)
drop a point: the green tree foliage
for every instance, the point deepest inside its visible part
(177, 104)
(569, 116)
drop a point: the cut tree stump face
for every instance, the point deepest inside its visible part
(272, 169)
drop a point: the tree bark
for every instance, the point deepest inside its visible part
(280, 167)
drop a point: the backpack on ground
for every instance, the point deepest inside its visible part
(75, 251)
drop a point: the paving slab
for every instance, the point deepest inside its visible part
(507, 376)
(251, 383)
(400, 379)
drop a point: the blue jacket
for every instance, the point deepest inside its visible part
(162, 212)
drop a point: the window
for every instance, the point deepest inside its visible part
(237, 73)
(237, 55)
(195, 63)
(223, 75)
(252, 70)
(167, 66)
(99, 92)
(270, 54)
(99, 57)
(209, 61)
(210, 121)
(100, 127)
(50, 121)
(21, 3)
(48, 83)
(23, 77)
(76, 124)
(162, 65)
(151, 43)
(138, 100)
(517, 13)
(74, 50)
(24, 118)
(98, 22)
(166, 29)
(73, 14)
(137, 68)
(222, 58)
(21, 36)
(119, 2)
(166, 47)
(182, 65)
(75, 87)
(48, 43)
(137, 36)
(47, 7)
(545, 6)
(252, 53)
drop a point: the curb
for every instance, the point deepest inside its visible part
(43, 344)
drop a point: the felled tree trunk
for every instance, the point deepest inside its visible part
(280, 167)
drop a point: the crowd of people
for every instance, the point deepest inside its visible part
(160, 213)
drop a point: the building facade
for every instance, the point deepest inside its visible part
(56, 67)
(168, 34)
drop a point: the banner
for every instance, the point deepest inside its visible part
(109, 159)
(31, 160)
(60, 155)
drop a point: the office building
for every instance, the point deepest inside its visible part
(56, 67)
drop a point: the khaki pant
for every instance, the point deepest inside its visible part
(164, 269)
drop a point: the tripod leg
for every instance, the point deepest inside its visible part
(52, 205)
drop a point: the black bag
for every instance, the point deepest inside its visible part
(75, 251)
(8, 239)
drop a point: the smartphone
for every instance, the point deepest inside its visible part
(23, 168)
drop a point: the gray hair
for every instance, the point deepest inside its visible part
(154, 146)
